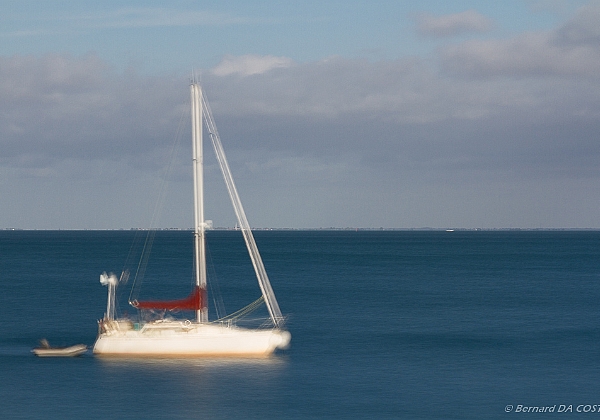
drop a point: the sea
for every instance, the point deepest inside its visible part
(385, 325)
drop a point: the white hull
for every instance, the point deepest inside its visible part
(184, 339)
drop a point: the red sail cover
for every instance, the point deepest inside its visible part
(194, 302)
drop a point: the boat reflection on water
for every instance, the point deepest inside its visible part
(211, 388)
(213, 375)
(274, 362)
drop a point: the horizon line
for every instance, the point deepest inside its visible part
(444, 229)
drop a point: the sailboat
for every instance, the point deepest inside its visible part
(169, 337)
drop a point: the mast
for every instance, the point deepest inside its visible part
(199, 224)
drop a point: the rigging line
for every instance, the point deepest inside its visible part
(261, 274)
(141, 267)
(157, 212)
(244, 311)
(133, 250)
(127, 267)
(125, 271)
(213, 284)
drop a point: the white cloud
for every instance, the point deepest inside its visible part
(454, 24)
(247, 65)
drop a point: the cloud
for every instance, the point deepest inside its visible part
(60, 107)
(247, 65)
(583, 28)
(332, 87)
(571, 50)
(335, 142)
(528, 55)
(452, 25)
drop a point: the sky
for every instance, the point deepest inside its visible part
(333, 114)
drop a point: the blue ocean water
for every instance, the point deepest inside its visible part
(385, 324)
